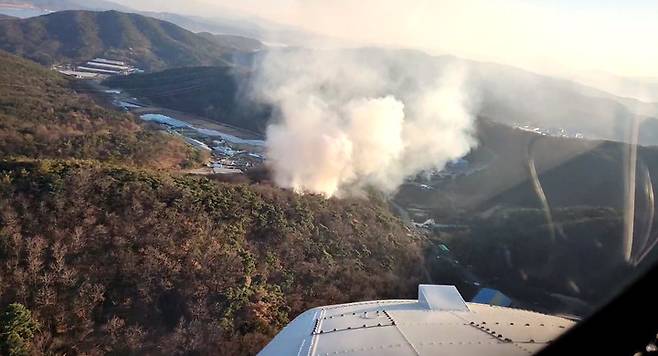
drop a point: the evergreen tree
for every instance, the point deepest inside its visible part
(17, 328)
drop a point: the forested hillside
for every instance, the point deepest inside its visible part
(40, 117)
(74, 36)
(124, 261)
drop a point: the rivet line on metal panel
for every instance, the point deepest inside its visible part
(431, 323)
(389, 317)
(482, 327)
(522, 348)
(314, 338)
(365, 313)
(393, 301)
(315, 327)
(517, 310)
(317, 330)
(362, 349)
(365, 326)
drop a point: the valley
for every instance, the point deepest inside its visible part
(140, 211)
(232, 150)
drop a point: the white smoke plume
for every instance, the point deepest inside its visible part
(340, 126)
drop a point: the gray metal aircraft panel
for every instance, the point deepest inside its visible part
(517, 325)
(457, 333)
(424, 317)
(530, 347)
(362, 340)
(404, 327)
(464, 349)
(354, 320)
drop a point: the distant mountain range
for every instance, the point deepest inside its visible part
(74, 36)
(275, 34)
(237, 43)
(269, 32)
(514, 96)
(643, 88)
(506, 94)
(59, 5)
(224, 24)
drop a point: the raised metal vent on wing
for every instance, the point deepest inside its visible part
(444, 298)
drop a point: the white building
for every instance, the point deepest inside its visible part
(98, 70)
(108, 66)
(104, 66)
(79, 74)
(109, 61)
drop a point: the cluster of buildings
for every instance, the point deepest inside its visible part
(228, 154)
(226, 158)
(452, 170)
(98, 68)
(557, 132)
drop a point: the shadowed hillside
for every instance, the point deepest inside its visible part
(528, 237)
(213, 92)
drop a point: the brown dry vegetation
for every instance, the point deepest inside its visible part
(112, 256)
(124, 261)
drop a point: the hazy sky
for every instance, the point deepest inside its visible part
(545, 35)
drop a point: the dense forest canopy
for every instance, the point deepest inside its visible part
(118, 260)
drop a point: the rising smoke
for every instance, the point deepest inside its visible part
(343, 123)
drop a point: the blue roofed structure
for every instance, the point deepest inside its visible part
(492, 297)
